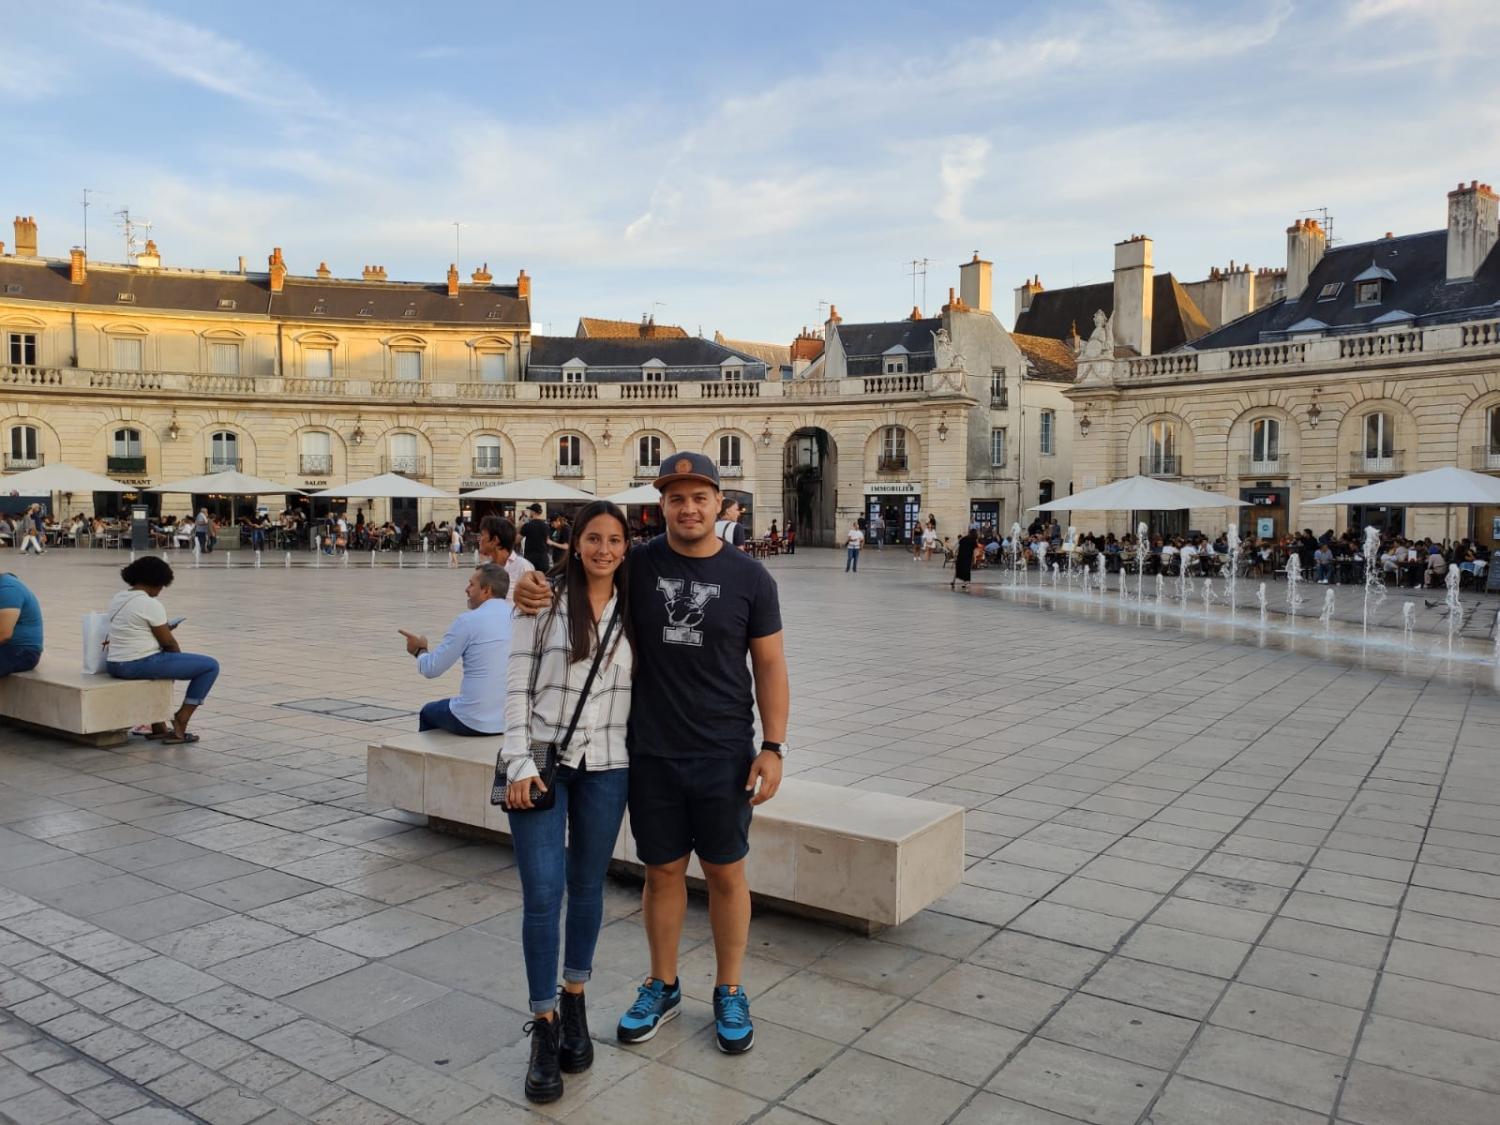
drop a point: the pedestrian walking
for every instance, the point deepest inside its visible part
(853, 542)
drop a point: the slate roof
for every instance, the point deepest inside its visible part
(595, 327)
(863, 340)
(46, 280)
(1050, 359)
(691, 351)
(1419, 263)
(1056, 313)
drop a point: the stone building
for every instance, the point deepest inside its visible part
(1379, 358)
(150, 373)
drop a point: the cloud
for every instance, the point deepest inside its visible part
(961, 166)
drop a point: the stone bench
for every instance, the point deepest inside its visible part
(60, 698)
(863, 859)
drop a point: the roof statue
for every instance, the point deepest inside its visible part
(944, 353)
(1101, 343)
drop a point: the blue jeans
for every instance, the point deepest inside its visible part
(15, 658)
(200, 672)
(568, 845)
(852, 561)
(438, 715)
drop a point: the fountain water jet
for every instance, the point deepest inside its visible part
(1455, 606)
(1099, 571)
(1260, 601)
(1160, 587)
(1070, 548)
(1293, 586)
(1232, 539)
(1142, 549)
(1017, 556)
(1208, 593)
(1408, 622)
(1325, 618)
(1056, 573)
(1374, 583)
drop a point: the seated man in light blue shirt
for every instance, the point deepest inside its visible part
(481, 638)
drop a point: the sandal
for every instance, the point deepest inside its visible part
(173, 740)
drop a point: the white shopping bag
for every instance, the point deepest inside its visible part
(95, 641)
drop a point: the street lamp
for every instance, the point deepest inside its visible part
(1083, 425)
(606, 437)
(172, 429)
(765, 434)
(358, 436)
(942, 430)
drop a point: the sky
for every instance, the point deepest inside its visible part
(734, 167)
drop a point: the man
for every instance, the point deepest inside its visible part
(534, 536)
(728, 526)
(558, 543)
(481, 638)
(878, 527)
(697, 608)
(497, 543)
(20, 627)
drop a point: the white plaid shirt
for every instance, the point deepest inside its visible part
(600, 737)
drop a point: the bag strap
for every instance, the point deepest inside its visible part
(588, 683)
(122, 605)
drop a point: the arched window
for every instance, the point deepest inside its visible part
(317, 362)
(491, 367)
(406, 364)
(223, 451)
(126, 353)
(1380, 442)
(893, 448)
(1492, 440)
(224, 357)
(1161, 449)
(126, 454)
(24, 449)
(317, 453)
(1265, 444)
(570, 456)
(404, 457)
(648, 452)
(487, 456)
(729, 452)
(1044, 492)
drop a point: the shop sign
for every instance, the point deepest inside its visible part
(1265, 499)
(893, 488)
(315, 483)
(472, 485)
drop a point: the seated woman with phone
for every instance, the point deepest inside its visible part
(143, 646)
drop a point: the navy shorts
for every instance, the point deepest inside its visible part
(682, 805)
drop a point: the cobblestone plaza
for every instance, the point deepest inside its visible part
(1208, 882)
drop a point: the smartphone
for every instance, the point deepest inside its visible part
(172, 623)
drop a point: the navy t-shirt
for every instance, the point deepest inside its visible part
(694, 619)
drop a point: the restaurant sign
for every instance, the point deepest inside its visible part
(139, 482)
(314, 483)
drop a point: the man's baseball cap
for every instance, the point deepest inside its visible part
(687, 466)
(537, 508)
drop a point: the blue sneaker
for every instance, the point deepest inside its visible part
(655, 1003)
(733, 1030)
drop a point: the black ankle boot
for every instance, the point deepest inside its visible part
(577, 1049)
(543, 1078)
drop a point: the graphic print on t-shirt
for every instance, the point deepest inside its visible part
(685, 612)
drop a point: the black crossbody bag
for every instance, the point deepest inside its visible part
(546, 755)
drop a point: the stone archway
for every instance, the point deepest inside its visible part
(809, 489)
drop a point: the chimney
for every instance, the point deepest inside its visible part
(916, 313)
(242, 265)
(373, 273)
(1305, 243)
(323, 270)
(453, 279)
(2, 249)
(77, 268)
(974, 282)
(523, 286)
(278, 270)
(1473, 226)
(1133, 294)
(26, 236)
(482, 275)
(1025, 292)
(1238, 293)
(149, 258)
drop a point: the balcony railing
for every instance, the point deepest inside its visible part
(567, 391)
(907, 383)
(891, 464)
(15, 464)
(999, 398)
(732, 388)
(222, 464)
(125, 466)
(404, 465)
(653, 392)
(1487, 458)
(1377, 464)
(648, 472)
(1161, 465)
(567, 471)
(732, 470)
(316, 464)
(487, 467)
(1252, 466)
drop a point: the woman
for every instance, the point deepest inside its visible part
(569, 844)
(963, 560)
(31, 529)
(143, 647)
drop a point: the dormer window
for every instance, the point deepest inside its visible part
(1367, 293)
(1369, 285)
(893, 361)
(573, 371)
(1330, 291)
(653, 375)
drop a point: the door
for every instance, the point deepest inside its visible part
(404, 512)
(1387, 521)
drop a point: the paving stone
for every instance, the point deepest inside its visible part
(1157, 987)
(319, 1049)
(857, 1088)
(305, 1093)
(287, 967)
(230, 1106)
(259, 888)
(364, 997)
(988, 994)
(1313, 977)
(186, 1085)
(1432, 1052)
(385, 932)
(240, 1013)
(1439, 1005)
(112, 1098)
(1177, 949)
(146, 1063)
(259, 1070)
(1077, 1083)
(317, 910)
(220, 940)
(939, 1042)
(354, 1110)
(70, 1077)
(417, 1092)
(166, 980)
(1125, 1031)
(1024, 955)
(1187, 1101)
(1291, 1019)
(451, 1032)
(1375, 1095)
(1280, 1071)
(819, 1005)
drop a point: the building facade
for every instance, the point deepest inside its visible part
(151, 374)
(1378, 359)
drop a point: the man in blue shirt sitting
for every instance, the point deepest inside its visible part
(481, 638)
(20, 627)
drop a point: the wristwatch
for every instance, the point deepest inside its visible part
(777, 748)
